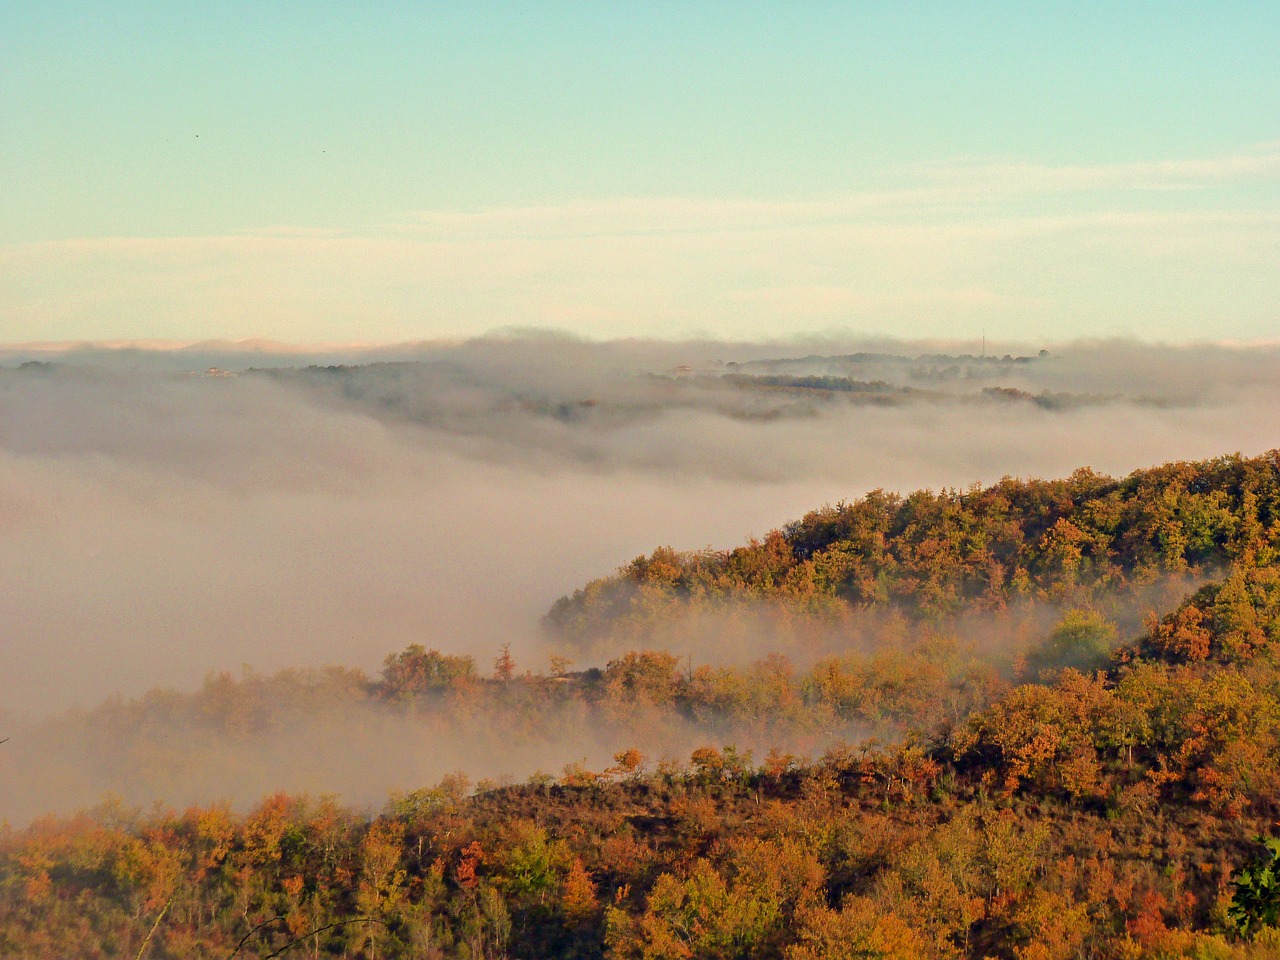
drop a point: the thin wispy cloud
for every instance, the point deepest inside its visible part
(1012, 176)
(941, 189)
(1011, 246)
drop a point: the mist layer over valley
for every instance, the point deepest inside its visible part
(162, 521)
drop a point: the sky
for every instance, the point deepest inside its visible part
(330, 172)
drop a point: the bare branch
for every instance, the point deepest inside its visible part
(328, 926)
(245, 938)
(159, 917)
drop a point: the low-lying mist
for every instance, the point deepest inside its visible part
(297, 733)
(335, 730)
(160, 520)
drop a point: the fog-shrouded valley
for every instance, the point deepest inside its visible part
(161, 522)
(173, 515)
(541, 576)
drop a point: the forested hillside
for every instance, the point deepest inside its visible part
(1080, 781)
(929, 555)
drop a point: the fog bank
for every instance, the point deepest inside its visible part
(155, 525)
(159, 520)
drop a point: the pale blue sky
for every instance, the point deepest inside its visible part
(325, 171)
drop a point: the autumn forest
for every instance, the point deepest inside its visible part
(1036, 719)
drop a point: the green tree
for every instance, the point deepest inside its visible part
(1256, 902)
(1083, 640)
